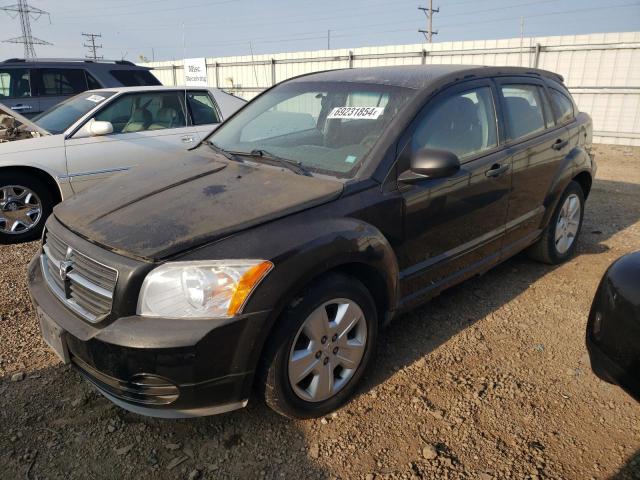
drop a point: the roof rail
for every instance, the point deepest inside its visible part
(70, 60)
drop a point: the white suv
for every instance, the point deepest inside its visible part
(90, 137)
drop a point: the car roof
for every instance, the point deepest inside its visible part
(418, 76)
(73, 62)
(149, 88)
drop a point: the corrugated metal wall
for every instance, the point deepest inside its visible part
(601, 70)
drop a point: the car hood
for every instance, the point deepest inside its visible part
(152, 213)
(19, 128)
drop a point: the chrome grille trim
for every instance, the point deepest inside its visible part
(87, 286)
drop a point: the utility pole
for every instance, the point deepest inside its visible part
(328, 39)
(93, 48)
(429, 11)
(26, 12)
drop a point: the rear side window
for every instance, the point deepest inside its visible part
(463, 123)
(563, 105)
(523, 110)
(203, 111)
(92, 83)
(62, 81)
(15, 83)
(135, 78)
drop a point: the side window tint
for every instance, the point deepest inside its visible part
(15, 83)
(59, 81)
(463, 123)
(524, 114)
(143, 112)
(135, 78)
(203, 111)
(564, 106)
(92, 83)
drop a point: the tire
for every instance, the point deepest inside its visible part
(295, 400)
(547, 249)
(20, 195)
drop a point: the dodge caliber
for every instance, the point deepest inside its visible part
(270, 256)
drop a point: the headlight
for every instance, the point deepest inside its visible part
(203, 289)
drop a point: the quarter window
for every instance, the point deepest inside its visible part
(15, 83)
(523, 110)
(203, 111)
(142, 112)
(564, 106)
(463, 123)
(135, 78)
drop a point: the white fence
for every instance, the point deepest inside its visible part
(601, 70)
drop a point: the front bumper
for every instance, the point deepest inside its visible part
(159, 367)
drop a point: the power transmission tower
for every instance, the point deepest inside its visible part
(429, 11)
(26, 12)
(93, 48)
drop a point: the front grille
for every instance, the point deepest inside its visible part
(83, 284)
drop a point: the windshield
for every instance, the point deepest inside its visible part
(326, 127)
(65, 114)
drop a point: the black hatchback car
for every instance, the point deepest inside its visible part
(613, 329)
(271, 254)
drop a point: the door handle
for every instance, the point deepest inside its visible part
(560, 144)
(187, 139)
(20, 108)
(496, 170)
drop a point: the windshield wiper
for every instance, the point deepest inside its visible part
(226, 153)
(292, 165)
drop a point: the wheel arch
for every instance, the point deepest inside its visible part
(41, 175)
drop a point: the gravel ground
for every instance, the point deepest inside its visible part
(489, 380)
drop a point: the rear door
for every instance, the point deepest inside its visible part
(18, 92)
(537, 146)
(150, 128)
(456, 224)
(58, 84)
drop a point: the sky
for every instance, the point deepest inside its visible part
(175, 29)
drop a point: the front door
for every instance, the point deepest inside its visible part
(455, 225)
(17, 91)
(150, 128)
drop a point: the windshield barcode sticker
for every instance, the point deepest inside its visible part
(368, 113)
(95, 98)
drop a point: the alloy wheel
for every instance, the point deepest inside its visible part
(20, 209)
(327, 350)
(568, 224)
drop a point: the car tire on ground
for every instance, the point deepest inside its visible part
(320, 348)
(559, 240)
(25, 204)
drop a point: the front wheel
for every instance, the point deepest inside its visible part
(320, 348)
(559, 240)
(25, 204)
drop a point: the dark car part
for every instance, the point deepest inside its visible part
(613, 329)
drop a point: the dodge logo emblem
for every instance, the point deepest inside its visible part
(66, 265)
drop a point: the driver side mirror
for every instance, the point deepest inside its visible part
(429, 163)
(98, 129)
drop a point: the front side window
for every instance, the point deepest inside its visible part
(15, 83)
(564, 106)
(203, 111)
(463, 123)
(523, 110)
(144, 111)
(62, 81)
(329, 127)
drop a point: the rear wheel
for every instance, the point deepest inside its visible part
(559, 240)
(25, 204)
(320, 349)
